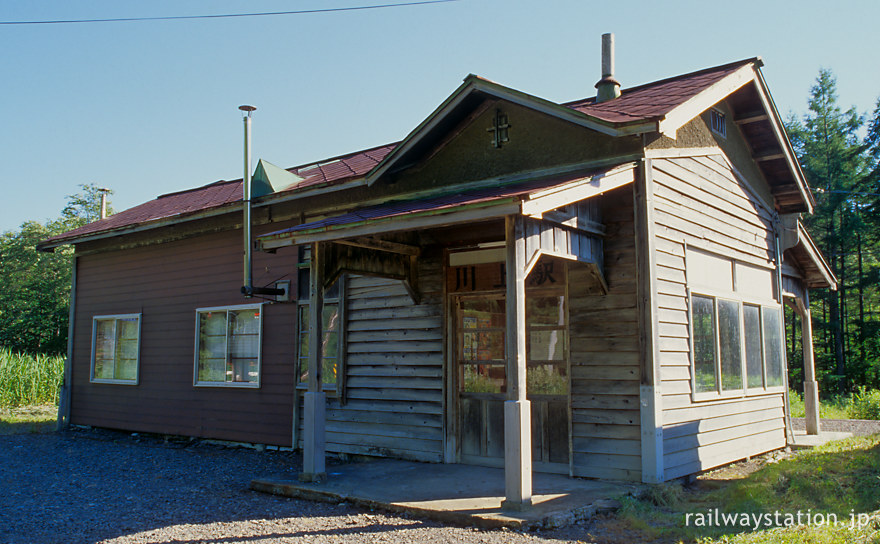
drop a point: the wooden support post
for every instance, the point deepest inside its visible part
(650, 398)
(315, 399)
(517, 410)
(811, 388)
(65, 391)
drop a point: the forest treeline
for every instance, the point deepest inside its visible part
(839, 151)
(35, 291)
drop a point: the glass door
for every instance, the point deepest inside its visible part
(481, 378)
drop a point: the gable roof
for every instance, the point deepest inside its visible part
(661, 106)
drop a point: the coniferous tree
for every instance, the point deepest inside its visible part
(830, 152)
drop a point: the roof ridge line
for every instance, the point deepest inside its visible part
(315, 164)
(199, 188)
(753, 60)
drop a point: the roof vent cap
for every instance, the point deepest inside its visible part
(608, 87)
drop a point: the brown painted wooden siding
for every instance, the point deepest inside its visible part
(605, 354)
(394, 370)
(699, 200)
(166, 283)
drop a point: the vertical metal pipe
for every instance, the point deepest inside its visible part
(246, 201)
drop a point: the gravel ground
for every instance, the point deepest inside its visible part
(855, 426)
(88, 486)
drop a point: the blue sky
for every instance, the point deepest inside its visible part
(147, 108)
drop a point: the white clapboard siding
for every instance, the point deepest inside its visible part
(394, 370)
(605, 355)
(699, 201)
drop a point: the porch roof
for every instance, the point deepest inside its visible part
(817, 274)
(528, 197)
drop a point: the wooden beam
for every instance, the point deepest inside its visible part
(545, 201)
(398, 224)
(768, 155)
(650, 396)
(314, 406)
(380, 245)
(716, 92)
(751, 117)
(517, 410)
(811, 387)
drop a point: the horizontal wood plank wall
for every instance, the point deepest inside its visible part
(698, 200)
(394, 375)
(166, 283)
(605, 354)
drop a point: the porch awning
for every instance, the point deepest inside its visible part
(813, 269)
(532, 197)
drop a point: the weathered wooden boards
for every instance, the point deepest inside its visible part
(700, 202)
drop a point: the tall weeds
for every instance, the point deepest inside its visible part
(29, 379)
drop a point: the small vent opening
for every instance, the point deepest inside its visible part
(719, 126)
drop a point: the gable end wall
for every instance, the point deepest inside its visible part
(698, 201)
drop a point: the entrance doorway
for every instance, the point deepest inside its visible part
(480, 379)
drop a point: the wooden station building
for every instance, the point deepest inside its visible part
(592, 288)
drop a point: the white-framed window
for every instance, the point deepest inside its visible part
(332, 362)
(736, 328)
(228, 346)
(116, 348)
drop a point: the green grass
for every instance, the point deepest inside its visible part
(865, 404)
(28, 419)
(841, 478)
(29, 379)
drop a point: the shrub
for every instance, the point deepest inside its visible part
(865, 404)
(29, 379)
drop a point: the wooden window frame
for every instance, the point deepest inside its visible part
(116, 318)
(235, 385)
(745, 390)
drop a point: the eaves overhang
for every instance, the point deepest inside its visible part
(532, 198)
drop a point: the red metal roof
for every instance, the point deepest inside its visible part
(656, 99)
(341, 168)
(221, 193)
(649, 101)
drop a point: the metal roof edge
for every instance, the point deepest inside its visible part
(149, 225)
(816, 255)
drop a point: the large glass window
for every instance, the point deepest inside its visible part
(228, 341)
(703, 318)
(735, 326)
(116, 348)
(331, 360)
(730, 345)
(772, 318)
(754, 346)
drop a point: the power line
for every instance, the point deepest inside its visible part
(823, 191)
(224, 15)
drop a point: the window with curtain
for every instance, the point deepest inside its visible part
(116, 348)
(228, 346)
